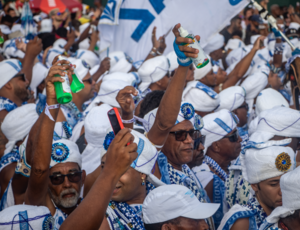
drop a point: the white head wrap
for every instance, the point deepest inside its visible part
(254, 38)
(290, 186)
(215, 43)
(39, 73)
(119, 76)
(233, 65)
(64, 151)
(96, 123)
(46, 26)
(120, 62)
(85, 44)
(294, 25)
(202, 72)
(82, 68)
(202, 97)
(152, 71)
(59, 43)
(232, 98)
(237, 55)
(262, 164)
(52, 53)
(89, 57)
(5, 29)
(11, 50)
(36, 217)
(234, 43)
(268, 99)
(280, 121)
(83, 27)
(217, 125)
(173, 60)
(186, 112)
(17, 124)
(9, 69)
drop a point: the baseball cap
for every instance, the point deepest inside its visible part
(168, 202)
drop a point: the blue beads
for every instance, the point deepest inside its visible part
(59, 152)
(283, 162)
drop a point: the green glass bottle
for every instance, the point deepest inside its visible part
(62, 89)
(77, 85)
(1, 40)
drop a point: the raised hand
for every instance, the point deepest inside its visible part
(126, 101)
(105, 65)
(34, 47)
(160, 44)
(20, 44)
(258, 43)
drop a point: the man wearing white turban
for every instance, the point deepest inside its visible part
(222, 145)
(262, 168)
(215, 47)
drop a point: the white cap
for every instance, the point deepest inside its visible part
(173, 60)
(36, 217)
(17, 124)
(64, 151)
(231, 98)
(5, 29)
(268, 99)
(82, 68)
(202, 72)
(152, 71)
(234, 43)
(262, 164)
(203, 98)
(46, 26)
(9, 68)
(169, 202)
(215, 43)
(89, 57)
(183, 32)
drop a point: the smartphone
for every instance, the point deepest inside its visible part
(115, 120)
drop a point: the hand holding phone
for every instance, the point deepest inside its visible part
(115, 120)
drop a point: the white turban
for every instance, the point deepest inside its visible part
(237, 55)
(290, 186)
(32, 217)
(82, 68)
(294, 25)
(64, 151)
(89, 57)
(232, 98)
(52, 53)
(173, 60)
(254, 38)
(252, 126)
(17, 124)
(233, 65)
(119, 76)
(217, 125)
(186, 112)
(202, 72)
(215, 43)
(9, 68)
(202, 97)
(255, 83)
(280, 121)
(120, 62)
(60, 43)
(268, 99)
(108, 93)
(234, 43)
(39, 73)
(11, 50)
(152, 71)
(5, 29)
(85, 44)
(46, 26)
(262, 164)
(96, 123)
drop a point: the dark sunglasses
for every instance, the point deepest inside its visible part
(233, 137)
(21, 75)
(246, 106)
(58, 179)
(181, 135)
(90, 80)
(198, 141)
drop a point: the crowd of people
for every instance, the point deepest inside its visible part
(202, 148)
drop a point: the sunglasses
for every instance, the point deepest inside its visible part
(198, 141)
(90, 80)
(21, 75)
(73, 177)
(181, 135)
(246, 106)
(233, 137)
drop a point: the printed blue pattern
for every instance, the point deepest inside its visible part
(7, 104)
(210, 92)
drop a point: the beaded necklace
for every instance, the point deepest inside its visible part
(260, 215)
(7, 104)
(215, 167)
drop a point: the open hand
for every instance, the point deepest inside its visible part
(159, 44)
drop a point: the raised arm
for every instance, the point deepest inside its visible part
(104, 66)
(119, 157)
(158, 46)
(241, 68)
(170, 104)
(42, 146)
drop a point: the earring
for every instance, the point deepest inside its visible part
(143, 181)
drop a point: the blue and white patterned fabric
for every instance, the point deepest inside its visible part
(243, 132)
(9, 158)
(6, 104)
(7, 199)
(72, 114)
(121, 216)
(27, 21)
(59, 217)
(110, 15)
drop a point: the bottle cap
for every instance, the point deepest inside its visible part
(183, 32)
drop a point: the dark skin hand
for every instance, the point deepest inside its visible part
(157, 44)
(3, 139)
(104, 66)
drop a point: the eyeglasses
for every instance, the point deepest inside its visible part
(90, 80)
(246, 106)
(198, 141)
(58, 179)
(21, 75)
(181, 135)
(233, 137)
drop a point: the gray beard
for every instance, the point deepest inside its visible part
(69, 202)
